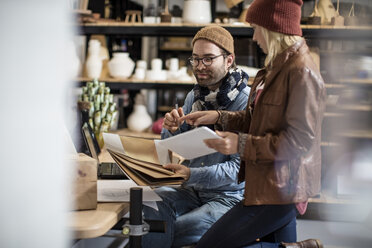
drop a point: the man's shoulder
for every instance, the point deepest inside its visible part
(244, 94)
(246, 91)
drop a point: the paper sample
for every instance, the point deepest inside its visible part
(142, 159)
(189, 144)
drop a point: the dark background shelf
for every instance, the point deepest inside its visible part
(309, 31)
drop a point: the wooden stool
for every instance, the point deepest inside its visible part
(132, 15)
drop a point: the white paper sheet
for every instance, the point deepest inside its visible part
(118, 191)
(113, 142)
(189, 144)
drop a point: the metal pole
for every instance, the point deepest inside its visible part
(135, 218)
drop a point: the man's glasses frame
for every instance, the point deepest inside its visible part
(207, 61)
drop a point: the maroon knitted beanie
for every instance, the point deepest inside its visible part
(282, 16)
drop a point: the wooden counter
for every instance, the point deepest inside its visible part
(95, 223)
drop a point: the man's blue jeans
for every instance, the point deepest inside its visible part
(188, 216)
(242, 225)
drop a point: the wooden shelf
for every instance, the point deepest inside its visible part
(331, 114)
(329, 144)
(326, 197)
(355, 107)
(132, 80)
(111, 27)
(358, 134)
(82, 11)
(135, 84)
(179, 49)
(357, 81)
(327, 207)
(164, 108)
(334, 86)
(344, 53)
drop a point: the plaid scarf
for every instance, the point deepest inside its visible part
(234, 82)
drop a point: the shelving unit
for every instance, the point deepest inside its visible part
(135, 84)
(108, 27)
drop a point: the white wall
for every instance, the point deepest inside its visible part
(32, 105)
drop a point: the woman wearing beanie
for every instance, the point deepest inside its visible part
(277, 136)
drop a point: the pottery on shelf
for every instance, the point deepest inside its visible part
(156, 72)
(244, 13)
(156, 75)
(326, 11)
(351, 19)
(197, 11)
(165, 16)
(314, 18)
(232, 3)
(141, 64)
(139, 120)
(94, 60)
(121, 65)
(338, 20)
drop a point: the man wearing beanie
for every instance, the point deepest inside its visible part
(211, 187)
(277, 136)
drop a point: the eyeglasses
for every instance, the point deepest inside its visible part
(207, 61)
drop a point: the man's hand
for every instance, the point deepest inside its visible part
(184, 171)
(227, 145)
(172, 119)
(201, 117)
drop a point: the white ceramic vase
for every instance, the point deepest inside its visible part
(121, 65)
(139, 120)
(197, 11)
(94, 60)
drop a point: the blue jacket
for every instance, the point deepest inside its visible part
(214, 173)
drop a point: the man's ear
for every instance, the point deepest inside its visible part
(230, 60)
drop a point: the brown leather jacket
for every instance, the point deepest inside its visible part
(281, 161)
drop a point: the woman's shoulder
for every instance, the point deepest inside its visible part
(302, 63)
(304, 70)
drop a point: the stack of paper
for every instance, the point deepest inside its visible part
(119, 191)
(141, 159)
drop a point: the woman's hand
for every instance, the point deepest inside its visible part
(201, 117)
(227, 145)
(172, 119)
(184, 171)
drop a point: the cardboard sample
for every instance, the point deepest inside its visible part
(141, 159)
(84, 182)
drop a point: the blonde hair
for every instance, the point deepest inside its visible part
(276, 43)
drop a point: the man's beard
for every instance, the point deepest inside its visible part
(212, 77)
